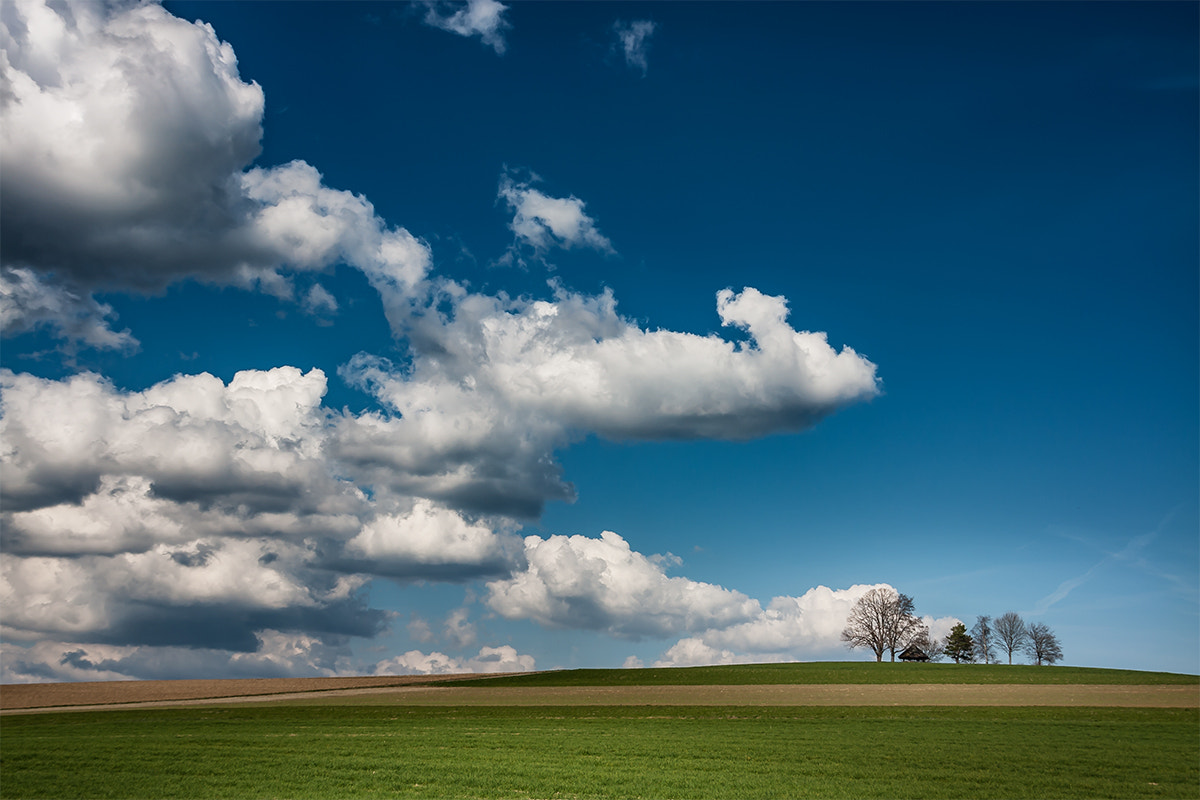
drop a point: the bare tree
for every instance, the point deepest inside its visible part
(1011, 633)
(1042, 645)
(934, 648)
(905, 626)
(882, 620)
(985, 640)
(867, 624)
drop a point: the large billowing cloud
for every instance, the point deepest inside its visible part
(507, 382)
(124, 151)
(217, 594)
(91, 469)
(201, 514)
(254, 444)
(124, 130)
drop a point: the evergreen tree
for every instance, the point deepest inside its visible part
(959, 644)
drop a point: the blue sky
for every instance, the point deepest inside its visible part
(384, 338)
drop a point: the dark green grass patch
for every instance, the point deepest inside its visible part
(603, 752)
(826, 672)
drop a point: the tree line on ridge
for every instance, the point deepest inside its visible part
(884, 620)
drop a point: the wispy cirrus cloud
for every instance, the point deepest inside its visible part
(633, 42)
(1127, 554)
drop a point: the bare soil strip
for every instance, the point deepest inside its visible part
(43, 695)
(374, 691)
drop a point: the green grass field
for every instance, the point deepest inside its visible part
(839, 672)
(300, 750)
(602, 752)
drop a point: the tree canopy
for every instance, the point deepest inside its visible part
(1011, 633)
(1042, 645)
(883, 619)
(959, 644)
(985, 640)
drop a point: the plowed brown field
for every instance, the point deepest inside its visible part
(422, 690)
(45, 695)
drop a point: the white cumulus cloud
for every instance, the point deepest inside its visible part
(255, 443)
(428, 541)
(507, 382)
(302, 223)
(504, 658)
(602, 584)
(202, 513)
(482, 18)
(693, 651)
(216, 593)
(542, 222)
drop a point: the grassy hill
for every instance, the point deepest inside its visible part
(837, 672)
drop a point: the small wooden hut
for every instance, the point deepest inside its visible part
(913, 653)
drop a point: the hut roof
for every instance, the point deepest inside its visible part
(913, 653)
